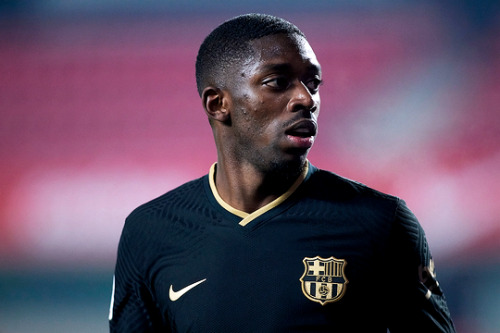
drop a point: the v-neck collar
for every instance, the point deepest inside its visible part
(249, 217)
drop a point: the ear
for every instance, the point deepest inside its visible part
(215, 103)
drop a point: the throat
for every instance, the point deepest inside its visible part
(250, 191)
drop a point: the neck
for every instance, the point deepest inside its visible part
(246, 188)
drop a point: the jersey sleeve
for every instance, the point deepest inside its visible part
(417, 301)
(132, 306)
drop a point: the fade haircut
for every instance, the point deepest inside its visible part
(229, 44)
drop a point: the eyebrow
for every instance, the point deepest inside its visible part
(285, 67)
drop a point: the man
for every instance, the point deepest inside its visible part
(266, 242)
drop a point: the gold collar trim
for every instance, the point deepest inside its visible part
(246, 217)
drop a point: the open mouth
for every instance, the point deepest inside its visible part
(303, 129)
(302, 134)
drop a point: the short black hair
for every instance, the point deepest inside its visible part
(229, 43)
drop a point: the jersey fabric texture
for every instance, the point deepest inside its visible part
(330, 255)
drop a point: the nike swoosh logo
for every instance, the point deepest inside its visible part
(175, 295)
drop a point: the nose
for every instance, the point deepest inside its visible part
(303, 99)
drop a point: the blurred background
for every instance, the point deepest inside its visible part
(99, 113)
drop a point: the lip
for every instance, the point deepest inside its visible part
(303, 128)
(302, 133)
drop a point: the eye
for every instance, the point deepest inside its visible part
(280, 83)
(314, 84)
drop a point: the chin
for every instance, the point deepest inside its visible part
(289, 166)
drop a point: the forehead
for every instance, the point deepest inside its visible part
(282, 49)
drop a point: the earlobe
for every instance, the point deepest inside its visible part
(215, 104)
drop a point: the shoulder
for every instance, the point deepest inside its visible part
(404, 220)
(160, 208)
(350, 204)
(331, 185)
(160, 225)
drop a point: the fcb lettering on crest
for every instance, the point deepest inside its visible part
(324, 280)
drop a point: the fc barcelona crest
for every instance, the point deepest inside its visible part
(324, 280)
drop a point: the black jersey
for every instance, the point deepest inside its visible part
(330, 255)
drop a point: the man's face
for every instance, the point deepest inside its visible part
(274, 102)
